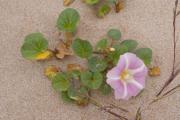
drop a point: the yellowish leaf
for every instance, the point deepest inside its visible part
(62, 50)
(44, 55)
(51, 71)
(119, 6)
(68, 2)
(154, 71)
(82, 102)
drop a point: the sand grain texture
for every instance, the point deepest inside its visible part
(25, 94)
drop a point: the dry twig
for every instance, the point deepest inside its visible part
(174, 73)
(107, 109)
(138, 114)
(166, 94)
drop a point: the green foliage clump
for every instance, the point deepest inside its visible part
(76, 83)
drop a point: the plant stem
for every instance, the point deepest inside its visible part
(68, 37)
(101, 53)
(174, 36)
(113, 106)
(173, 73)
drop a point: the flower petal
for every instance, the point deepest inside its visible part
(115, 84)
(140, 80)
(125, 93)
(137, 70)
(133, 90)
(118, 94)
(122, 93)
(140, 77)
(141, 72)
(134, 62)
(137, 84)
(122, 63)
(114, 73)
(132, 85)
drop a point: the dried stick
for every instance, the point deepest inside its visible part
(173, 73)
(106, 109)
(170, 92)
(138, 114)
(178, 13)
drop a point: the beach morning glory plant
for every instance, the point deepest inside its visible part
(121, 62)
(127, 78)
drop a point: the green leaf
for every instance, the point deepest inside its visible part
(102, 44)
(96, 80)
(68, 20)
(119, 50)
(130, 44)
(86, 78)
(114, 34)
(65, 97)
(75, 95)
(91, 2)
(60, 82)
(103, 10)
(105, 89)
(96, 64)
(145, 54)
(34, 45)
(83, 90)
(92, 80)
(72, 93)
(75, 74)
(82, 48)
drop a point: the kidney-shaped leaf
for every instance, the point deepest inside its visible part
(114, 34)
(102, 44)
(91, 80)
(130, 44)
(60, 82)
(145, 54)
(35, 47)
(96, 64)
(103, 10)
(68, 20)
(82, 48)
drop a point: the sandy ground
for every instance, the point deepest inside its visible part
(25, 94)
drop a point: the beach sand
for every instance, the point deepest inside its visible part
(26, 94)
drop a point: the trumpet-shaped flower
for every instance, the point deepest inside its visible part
(127, 78)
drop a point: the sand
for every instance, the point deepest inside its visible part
(25, 94)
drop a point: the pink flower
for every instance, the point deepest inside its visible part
(127, 78)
